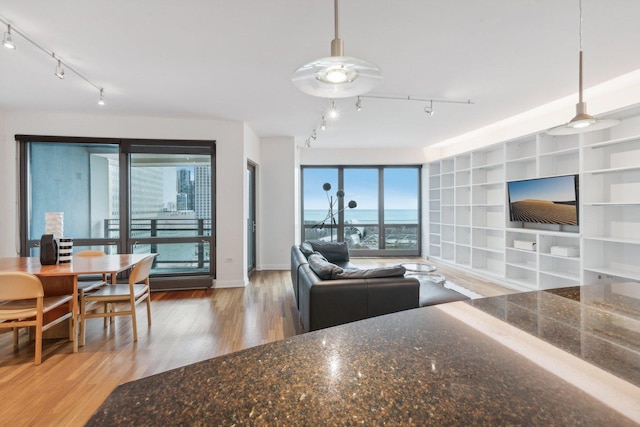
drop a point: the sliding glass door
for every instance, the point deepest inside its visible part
(125, 196)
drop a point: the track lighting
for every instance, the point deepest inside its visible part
(59, 70)
(333, 111)
(61, 66)
(429, 110)
(8, 41)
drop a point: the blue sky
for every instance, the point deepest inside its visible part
(558, 189)
(361, 185)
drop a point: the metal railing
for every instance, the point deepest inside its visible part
(169, 228)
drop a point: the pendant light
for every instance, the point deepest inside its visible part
(582, 122)
(337, 76)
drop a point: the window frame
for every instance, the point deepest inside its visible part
(381, 251)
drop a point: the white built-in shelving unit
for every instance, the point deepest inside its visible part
(469, 223)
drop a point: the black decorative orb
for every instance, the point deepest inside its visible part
(352, 204)
(326, 186)
(340, 194)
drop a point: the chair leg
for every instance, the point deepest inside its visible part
(149, 309)
(134, 323)
(39, 342)
(105, 309)
(16, 333)
(83, 311)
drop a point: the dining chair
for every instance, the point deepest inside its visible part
(132, 293)
(23, 304)
(85, 286)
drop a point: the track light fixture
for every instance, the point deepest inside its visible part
(333, 111)
(7, 41)
(61, 65)
(59, 69)
(429, 109)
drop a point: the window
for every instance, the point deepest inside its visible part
(385, 220)
(124, 196)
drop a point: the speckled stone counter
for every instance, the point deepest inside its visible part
(490, 361)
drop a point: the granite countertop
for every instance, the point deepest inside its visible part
(453, 364)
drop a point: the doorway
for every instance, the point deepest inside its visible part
(251, 218)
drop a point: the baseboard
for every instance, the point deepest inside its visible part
(278, 267)
(220, 284)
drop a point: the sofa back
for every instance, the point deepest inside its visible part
(335, 252)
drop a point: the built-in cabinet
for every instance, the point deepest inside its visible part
(469, 222)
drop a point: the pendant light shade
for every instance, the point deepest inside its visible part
(337, 76)
(582, 122)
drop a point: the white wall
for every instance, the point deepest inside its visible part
(362, 156)
(230, 170)
(278, 217)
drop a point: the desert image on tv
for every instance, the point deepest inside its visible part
(544, 211)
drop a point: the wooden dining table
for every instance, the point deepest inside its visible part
(62, 279)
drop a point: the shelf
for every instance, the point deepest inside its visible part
(521, 250)
(523, 266)
(615, 272)
(484, 249)
(613, 170)
(544, 232)
(522, 159)
(480, 227)
(488, 166)
(613, 239)
(560, 152)
(612, 203)
(614, 142)
(560, 275)
(570, 258)
(488, 184)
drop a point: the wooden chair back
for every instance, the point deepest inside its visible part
(140, 272)
(17, 285)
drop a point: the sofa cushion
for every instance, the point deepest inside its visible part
(306, 249)
(323, 268)
(333, 251)
(371, 273)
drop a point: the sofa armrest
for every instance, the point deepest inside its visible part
(297, 259)
(391, 294)
(334, 302)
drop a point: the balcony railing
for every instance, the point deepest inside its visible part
(396, 236)
(187, 256)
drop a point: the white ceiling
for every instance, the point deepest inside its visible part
(234, 60)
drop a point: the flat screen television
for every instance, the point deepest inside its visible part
(552, 200)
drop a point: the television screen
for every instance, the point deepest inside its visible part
(552, 200)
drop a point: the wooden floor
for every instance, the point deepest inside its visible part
(188, 326)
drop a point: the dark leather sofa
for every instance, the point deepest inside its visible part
(329, 302)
